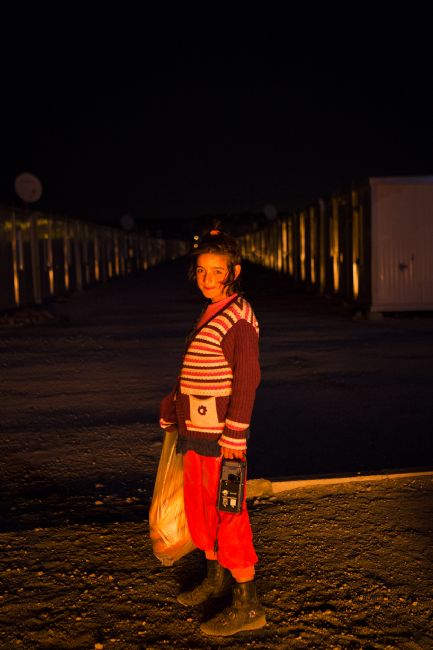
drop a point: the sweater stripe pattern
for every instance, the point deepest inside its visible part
(205, 370)
(221, 363)
(213, 400)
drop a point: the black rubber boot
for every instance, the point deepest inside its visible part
(245, 613)
(217, 583)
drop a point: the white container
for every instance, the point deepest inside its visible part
(401, 243)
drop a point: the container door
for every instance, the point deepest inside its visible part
(402, 244)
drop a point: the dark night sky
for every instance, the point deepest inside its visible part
(190, 115)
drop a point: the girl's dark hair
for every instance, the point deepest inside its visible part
(219, 243)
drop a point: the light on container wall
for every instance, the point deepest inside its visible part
(313, 244)
(322, 243)
(356, 251)
(334, 244)
(280, 248)
(96, 258)
(50, 261)
(116, 256)
(290, 245)
(284, 244)
(302, 242)
(15, 261)
(66, 255)
(110, 257)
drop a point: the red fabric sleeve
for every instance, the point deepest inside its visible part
(167, 410)
(241, 349)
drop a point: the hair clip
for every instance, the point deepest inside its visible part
(215, 232)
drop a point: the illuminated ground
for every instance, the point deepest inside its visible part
(347, 566)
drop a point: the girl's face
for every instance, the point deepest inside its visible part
(211, 272)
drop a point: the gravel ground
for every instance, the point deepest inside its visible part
(344, 566)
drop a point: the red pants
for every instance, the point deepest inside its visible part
(206, 523)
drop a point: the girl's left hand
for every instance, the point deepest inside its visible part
(226, 452)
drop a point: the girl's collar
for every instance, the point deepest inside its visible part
(223, 301)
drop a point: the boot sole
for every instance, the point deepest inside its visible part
(254, 625)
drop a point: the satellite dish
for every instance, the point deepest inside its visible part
(127, 222)
(28, 187)
(270, 212)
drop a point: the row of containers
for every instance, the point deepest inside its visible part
(44, 256)
(372, 245)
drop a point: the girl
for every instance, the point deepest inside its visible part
(211, 408)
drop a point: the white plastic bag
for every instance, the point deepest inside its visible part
(169, 530)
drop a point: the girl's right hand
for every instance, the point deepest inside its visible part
(229, 453)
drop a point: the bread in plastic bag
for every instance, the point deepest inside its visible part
(169, 530)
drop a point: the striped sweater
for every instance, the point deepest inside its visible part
(215, 392)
